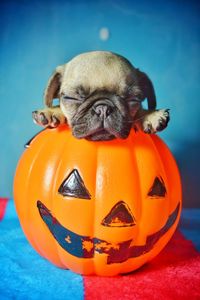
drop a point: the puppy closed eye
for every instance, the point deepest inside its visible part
(132, 96)
(133, 102)
(69, 98)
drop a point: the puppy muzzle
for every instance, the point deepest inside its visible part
(102, 120)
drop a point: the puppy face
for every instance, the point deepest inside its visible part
(101, 116)
(100, 93)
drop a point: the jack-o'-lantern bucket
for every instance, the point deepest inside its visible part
(100, 208)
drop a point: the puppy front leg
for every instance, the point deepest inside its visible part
(49, 117)
(152, 121)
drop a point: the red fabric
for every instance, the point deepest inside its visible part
(174, 274)
(3, 203)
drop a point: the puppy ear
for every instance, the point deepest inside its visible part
(53, 86)
(147, 89)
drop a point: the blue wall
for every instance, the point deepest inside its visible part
(161, 38)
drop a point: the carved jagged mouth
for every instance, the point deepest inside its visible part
(86, 246)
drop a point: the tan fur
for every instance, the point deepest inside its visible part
(92, 72)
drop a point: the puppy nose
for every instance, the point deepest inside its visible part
(103, 110)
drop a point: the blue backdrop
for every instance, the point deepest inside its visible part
(159, 37)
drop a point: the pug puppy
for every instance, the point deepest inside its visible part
(100, 97)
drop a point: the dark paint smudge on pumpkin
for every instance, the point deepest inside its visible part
(85, 246)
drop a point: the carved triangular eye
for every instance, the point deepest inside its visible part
(158, 188)
(74, 186)
(119, 216)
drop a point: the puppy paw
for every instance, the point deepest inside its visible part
(49, 117)
(156, 121)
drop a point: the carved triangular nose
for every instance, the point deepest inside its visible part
(119, 216)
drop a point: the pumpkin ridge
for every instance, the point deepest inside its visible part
(164, 178)
(165, 152)
(163, 174)
(97, 149)
(35, 159)
(158, 152)
(133, 140)
(54, 187)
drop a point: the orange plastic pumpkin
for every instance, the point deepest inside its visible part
(97, 207)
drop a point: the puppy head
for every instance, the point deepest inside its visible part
(100, 93)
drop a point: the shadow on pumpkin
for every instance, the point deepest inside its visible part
(188, 159)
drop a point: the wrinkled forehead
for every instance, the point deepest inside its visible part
(98, 72)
